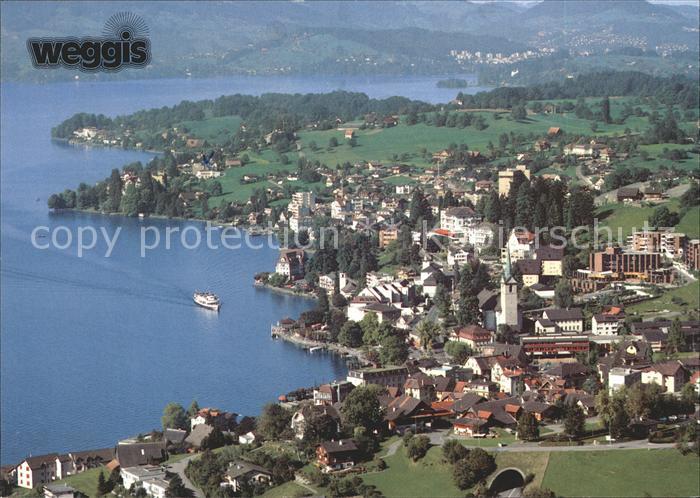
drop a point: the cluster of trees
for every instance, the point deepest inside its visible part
(664, 217)
(416, 446)
(672, 90)
(447, 119)
(146, 196)
(664, 129)
(369, 332)
(624, 175)
(285, 113)
(641, 401)
(356, 255)
(469, 280)
(528, 427)
(469, 466)
(539, 203)
(105, 485)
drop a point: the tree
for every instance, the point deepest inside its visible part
(574, 421)
(528, 427)
(443, 301)
(130, 201)
(605, 110)
(370, 328)
(663, 217)
(612, 412)
(103, 485)
(563, 294)
(350, 335)
(458, 351)
(538, 492)
(428, 334)
(114, 188)
(394, 350)
(463, 475)
(214, 440)
(467, 310)
(323, 305)
(273, 421)
(5, 487)
(453, 451)
(417, 447)
(332, 142)
(318, 427)
(676, 338)
(691, 197)
(176, 487)
(193, 409)
(476, 466)
(174, 417)
(362, 409)
(519, 112)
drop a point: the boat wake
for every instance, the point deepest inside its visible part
(172, 297)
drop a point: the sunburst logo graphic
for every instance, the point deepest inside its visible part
(125, 26)
(124, 43)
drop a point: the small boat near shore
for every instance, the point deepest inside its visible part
(207, 300)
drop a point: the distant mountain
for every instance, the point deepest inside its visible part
(568, 9)
(349, 37)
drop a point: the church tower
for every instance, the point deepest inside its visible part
(509, 314)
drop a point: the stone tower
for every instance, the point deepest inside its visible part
(509, 314)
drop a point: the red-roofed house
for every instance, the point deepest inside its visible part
(472, 335)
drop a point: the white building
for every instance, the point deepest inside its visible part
(157, 488)
(619, 377)
(457, 219)
(301, 223)
(137, 475)
(520, 245)
(302, 204)
(603, 324)
(567, 321)
(341, 210)
(457, 255)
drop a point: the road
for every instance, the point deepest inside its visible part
(579, 174)
(611, 197)
(438, 438)
(179, 468)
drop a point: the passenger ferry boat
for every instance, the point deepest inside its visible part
(207, 300)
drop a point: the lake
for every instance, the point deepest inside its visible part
(93, 348)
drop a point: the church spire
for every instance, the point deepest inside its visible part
(507, 270)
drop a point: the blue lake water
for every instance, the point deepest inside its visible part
(93, 348)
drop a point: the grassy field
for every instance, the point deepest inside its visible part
(690, 223)
(86, 482)
(686, 299)
(430, 476)
(260, 165)
(287, 490)
(623, 473)
(382, 144)
(623, 219)
(215, 130)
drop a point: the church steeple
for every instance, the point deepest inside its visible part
(509, 313)
(507, 277)
(507, 271)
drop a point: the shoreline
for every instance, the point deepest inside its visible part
(282, 290)
(331, 347)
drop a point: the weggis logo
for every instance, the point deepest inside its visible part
(124, 43)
